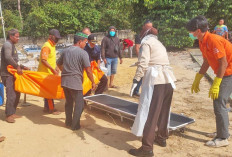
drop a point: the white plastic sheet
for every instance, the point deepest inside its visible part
(146, 96)
(103, 67)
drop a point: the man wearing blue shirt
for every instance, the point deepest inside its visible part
(94, 52)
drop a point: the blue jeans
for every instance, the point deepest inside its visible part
(136, 90)
(111, 66)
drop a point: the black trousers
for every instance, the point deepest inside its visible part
(158, 115)
(101, 86)
(12, 96)
(73, 116)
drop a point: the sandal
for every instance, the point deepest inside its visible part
(2, 138)
(55, 112)
(113, 86)
(217, 142)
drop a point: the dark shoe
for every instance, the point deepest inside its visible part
(76, 128)
(140, 152)
(160, 142)
(10, 119)
(136, 95)
(16, 116)
(46, 110)
(68, 124)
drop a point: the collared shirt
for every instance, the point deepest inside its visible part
(214, 47)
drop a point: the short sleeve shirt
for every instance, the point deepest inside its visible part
(221, 29)
(74, 60)
(214, 47)
(137, 39)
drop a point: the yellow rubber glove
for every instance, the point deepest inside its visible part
(214, 90)
(196, 82)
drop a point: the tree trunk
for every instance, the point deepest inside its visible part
(21, 18)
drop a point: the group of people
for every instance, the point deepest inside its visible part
(152, 118)
(72, 62)
(153, 72)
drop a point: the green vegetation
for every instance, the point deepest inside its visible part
(35, 17)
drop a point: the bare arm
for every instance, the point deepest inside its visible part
(49, 66)
(227, 35)
(137, 46)
(98, 62)
(90, 76)
(59, 62)
(60, 67)
(204, 67)
(214, 32)
(222, 67)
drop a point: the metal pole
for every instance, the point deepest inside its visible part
(3, 28)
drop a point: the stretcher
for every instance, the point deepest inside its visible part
(128, 110)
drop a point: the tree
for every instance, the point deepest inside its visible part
(116, 13)
(220, 9)
(67, 17)
(170, 17)
(20, 15)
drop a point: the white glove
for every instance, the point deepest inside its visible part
(134, 85)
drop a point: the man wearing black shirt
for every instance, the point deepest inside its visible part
(9, 56)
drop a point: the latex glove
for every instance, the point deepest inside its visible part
(214, 90)
(196, 82)
(134, 85)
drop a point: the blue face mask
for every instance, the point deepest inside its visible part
(112, 33)
(192, 37)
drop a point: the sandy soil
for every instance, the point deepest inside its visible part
(42, 135)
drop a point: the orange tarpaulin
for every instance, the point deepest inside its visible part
(97, 75)
(49, 86)
(38, 83)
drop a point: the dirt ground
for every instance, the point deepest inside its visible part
(41, 135)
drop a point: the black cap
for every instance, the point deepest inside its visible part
(55, 32)
(92, 38)
(147, 21)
